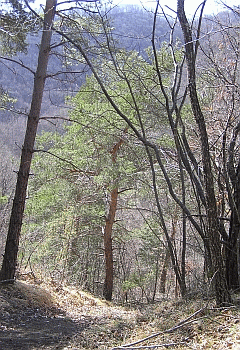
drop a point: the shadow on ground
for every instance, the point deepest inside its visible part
(24, 326)
(35, 330)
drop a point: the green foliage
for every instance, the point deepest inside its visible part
(133, 282)
(3, 200)
(15, 24)
(96, 152)
(5, 100)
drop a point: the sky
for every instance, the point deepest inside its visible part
(211, 7)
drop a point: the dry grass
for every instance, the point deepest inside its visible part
(211, 329)
(106, 326)
(27, 294)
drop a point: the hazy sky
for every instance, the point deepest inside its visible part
(212, 6)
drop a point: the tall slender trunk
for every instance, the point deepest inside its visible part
(216, 268)
(167, 259)
(184, 233)
(9, 264)
(163, 277)
(156, 278)
(232, 250)
(108, 248)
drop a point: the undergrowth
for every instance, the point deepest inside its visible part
(105, 326)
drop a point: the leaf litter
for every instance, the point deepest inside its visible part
(46, 316)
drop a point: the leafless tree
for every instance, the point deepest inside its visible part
(194, 163)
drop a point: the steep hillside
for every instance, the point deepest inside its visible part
(132, 28)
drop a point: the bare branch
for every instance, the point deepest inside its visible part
(17, 62)
(74, 166)
(188, 320)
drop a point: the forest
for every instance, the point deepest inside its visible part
(120, 167)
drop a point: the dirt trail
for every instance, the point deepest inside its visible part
(35, 317)
(31, 329)
(32, 318)
(28, 323)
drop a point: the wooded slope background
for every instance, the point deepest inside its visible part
(105, 209)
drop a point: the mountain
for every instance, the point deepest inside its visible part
(132, 30)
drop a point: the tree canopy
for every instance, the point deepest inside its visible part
(142, 130)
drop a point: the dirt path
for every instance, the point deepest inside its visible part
(30, 318)
(31, 329)
(34, 317)
(28, 324)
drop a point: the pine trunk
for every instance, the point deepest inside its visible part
(167, 260)
(108, 249)
(9, 265)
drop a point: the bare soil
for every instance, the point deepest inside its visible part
(51, 317)
(26, 324)
(33, 318)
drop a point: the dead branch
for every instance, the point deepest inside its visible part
(75, 167)
(166, 345)
(187, 321)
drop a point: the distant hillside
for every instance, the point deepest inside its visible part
(132, 29)
(134, 25)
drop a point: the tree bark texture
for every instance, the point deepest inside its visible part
(108, 247)
(232, 250)
(167, 260)
(216, 267)
(9, 264)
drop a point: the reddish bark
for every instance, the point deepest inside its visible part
(108, 248)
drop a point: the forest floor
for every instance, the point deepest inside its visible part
(46, 317)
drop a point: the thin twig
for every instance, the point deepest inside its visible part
(170, 330)
(84, 172)
(166, 345)
(7, 281)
